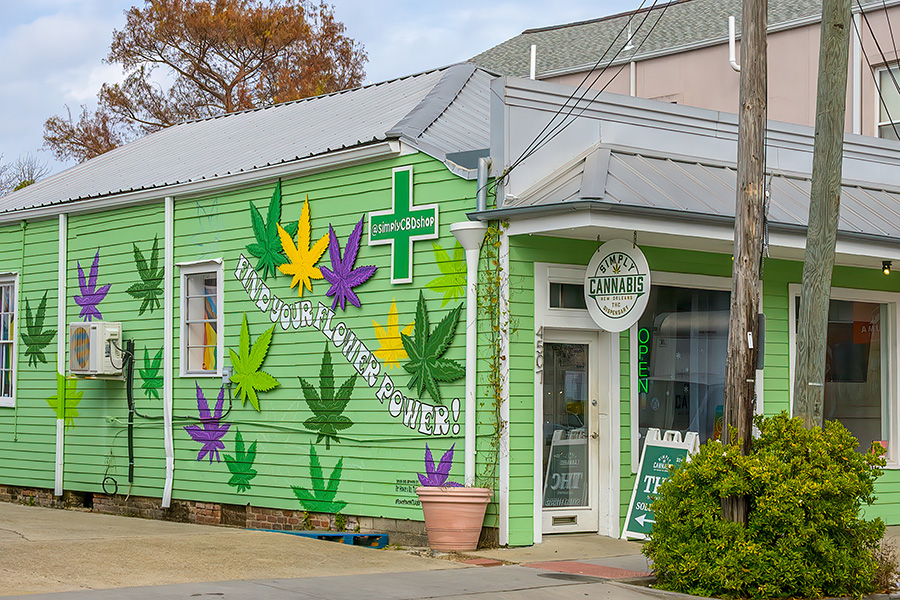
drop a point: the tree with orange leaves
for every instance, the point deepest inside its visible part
(221, 56)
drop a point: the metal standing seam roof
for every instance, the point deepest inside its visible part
(578, 46)
(642, 181)
(249, 140)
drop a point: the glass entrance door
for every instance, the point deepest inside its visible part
(570, 434)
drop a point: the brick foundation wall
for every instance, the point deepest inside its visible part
(403, 532)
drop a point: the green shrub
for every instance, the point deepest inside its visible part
(804, 536)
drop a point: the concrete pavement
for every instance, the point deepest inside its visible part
(51, 550)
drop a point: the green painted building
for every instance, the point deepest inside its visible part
(330, 301)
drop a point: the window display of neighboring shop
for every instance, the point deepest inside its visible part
(861, 364)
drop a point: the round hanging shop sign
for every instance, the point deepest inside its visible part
(617, 285)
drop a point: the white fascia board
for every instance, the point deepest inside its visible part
(306, 166)
(708, 237)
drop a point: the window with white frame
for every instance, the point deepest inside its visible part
(201, 319)
(889, 103)
(860, 364)
(8, 328)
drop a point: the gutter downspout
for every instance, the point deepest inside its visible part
(168, 354)
(470, 235)
(61, 335)
(732, 58)
(856, 125)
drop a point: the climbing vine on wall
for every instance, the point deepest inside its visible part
(491, 278)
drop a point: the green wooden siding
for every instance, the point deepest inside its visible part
(777, 277)
(380, 456)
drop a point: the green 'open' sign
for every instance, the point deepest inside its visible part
(658, 455)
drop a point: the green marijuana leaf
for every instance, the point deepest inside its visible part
(68, 389)
(322, 497)
(153, 380)
(425, 348)
(240, 464)
(247, 376)
(149, 289)
(34, 336)
(452, 282)
(329, 404)
(268, 242)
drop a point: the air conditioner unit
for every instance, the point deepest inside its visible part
(95, 348)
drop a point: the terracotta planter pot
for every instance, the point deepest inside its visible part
(453, 516)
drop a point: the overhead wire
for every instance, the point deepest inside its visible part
(587, 76)
(591, 72)
(602, 89)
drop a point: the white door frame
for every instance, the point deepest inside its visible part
(547, 322)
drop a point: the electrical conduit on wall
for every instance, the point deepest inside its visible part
(61, 335)
(168, 308)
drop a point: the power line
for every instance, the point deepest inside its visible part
(540, 141)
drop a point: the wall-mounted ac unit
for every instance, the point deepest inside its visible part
(95, 348)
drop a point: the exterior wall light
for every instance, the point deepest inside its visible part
(886, 267)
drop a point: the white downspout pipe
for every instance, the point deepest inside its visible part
(857, 75)
(470, 235)
(732, 58)
(533, 61)
(61, 336)
(168, 354)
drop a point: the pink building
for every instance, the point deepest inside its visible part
(679, 52)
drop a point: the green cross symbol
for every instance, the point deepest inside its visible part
(402, 225)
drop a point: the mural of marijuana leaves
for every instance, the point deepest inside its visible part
(247, 376)
(150, 374)
(212, 432)
(322, 497)
(391, 351)
(302, 258)
(90, 296)
(452, 282)
(34, 336)
(437, 477)
(425, 348)
(342, 276)
(267, 247)
(327, 404)
(241, 464)
(149, 288)
(66, 409)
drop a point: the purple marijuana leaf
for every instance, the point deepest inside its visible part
(342, 276)
(438, 477)
(90, 296)
(212, 432)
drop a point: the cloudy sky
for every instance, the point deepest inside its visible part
(53, 50)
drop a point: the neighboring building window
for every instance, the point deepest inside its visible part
(8, 327)
(682, 340)
(201, 319)
(857, 368)
(889, 108)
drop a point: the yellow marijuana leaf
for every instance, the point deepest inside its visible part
(302, 258)
(391, 351)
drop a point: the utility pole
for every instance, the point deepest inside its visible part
(824, 210)
(743, 326)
